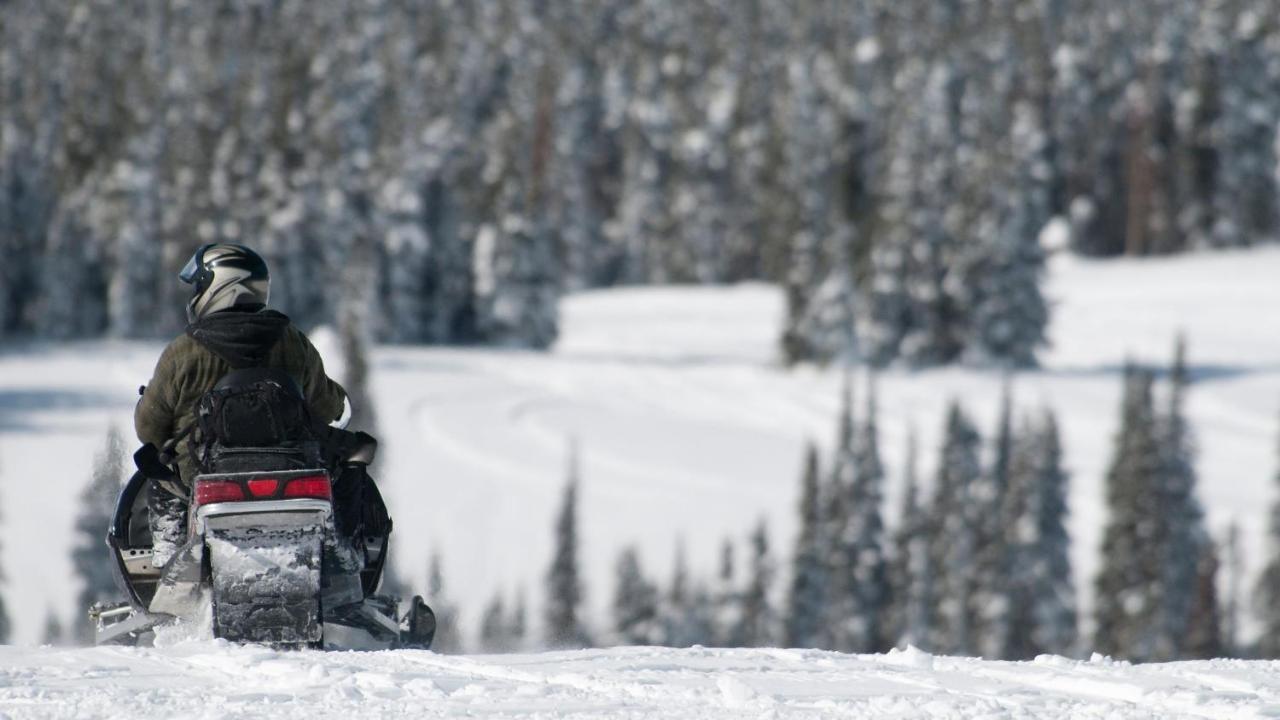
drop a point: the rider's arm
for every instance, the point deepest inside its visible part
(153, 418)
(326, 397)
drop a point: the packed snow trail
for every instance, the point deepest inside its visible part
(216, 680)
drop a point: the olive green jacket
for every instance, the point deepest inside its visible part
(187, 370)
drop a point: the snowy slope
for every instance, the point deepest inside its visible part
(686, 425)
(210, 680)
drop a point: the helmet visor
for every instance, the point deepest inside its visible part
(191, 272)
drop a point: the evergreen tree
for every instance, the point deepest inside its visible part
(1203, 637)
(674, 606)
(564, 626)
(686, 612)
(806, 604)
(1266, 594)
(1042, 610)
(952, 621)
(448, 639)
(992, 553)
(392, 583)
(1231, 609)
(519, 625)
(91, 557)
(859, 609)
(1181, 520)
(1127, 587)
(727, 610)
(635, 602)
(408, 269)
(910, 574)
(1002, 299)
(353, 336)
(53, 633)
(758, 619)
(820, 322)
(516, 280)
(495, 630)
(834, 531)
(1055, 600)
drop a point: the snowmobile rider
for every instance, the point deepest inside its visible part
(229, 328)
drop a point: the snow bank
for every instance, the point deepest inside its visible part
(215, 680)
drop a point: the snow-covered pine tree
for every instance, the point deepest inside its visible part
(1239, 42)
(674, 605)
(90, 556)
(519, 625)
(1010, 175)
(1231, 608)
(951, 543)
(1055, 593)
(702, 615)
(835, 520)
(562, 619)
(53, 633)
(992, 554)
(805, 622)
(928, 216)
(73, 293)
(587, 150)
(1203, 637)
(821, 321)
(860, 619)
(5, 627)
(495, 633)
(515, 260)
(132, 195)
(910, 574)
(635, 602)
(409, 271)
(448, 639)
(1266, 593)
(757, 623)
(1009, 313)
(517, 285)
(727, 610)
(1127, 586)
(355, 334)
(645, 215)
(1183, 533)
(685, 611)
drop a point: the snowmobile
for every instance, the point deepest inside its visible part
(263, 558)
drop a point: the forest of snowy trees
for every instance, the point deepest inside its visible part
(442, 172)
(978, 566)
(892, 163)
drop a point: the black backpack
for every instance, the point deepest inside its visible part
(255, 419)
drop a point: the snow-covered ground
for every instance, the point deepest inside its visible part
(213, 680)
(687, 428)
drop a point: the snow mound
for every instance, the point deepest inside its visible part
(212, 679)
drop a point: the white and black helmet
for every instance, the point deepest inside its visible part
(225, 276)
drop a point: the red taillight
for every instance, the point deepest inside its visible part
(213, 491)
(314, 486)
(263, 487)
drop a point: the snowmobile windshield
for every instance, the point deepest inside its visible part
(191, 272)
